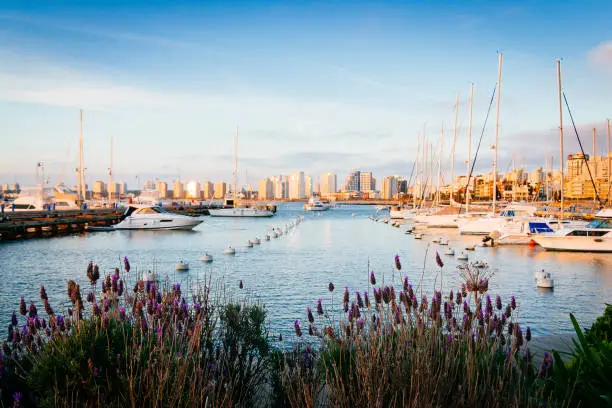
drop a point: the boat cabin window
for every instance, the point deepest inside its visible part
(586, 233)
(600, 224)
(149, 210)
(24, 207)
(539, 227)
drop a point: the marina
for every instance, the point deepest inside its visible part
(293, 270)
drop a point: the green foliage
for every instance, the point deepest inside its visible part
(602, 328)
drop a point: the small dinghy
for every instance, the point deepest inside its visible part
(539, 274)
(443, 241)
(418, 236)
(480, 264)
(230, 251)
(545, 281)
(207, 257)
(256, 241)
(267, 237)
(437, 240)
(449, 251)
(386, 221)
(182, 266)
(149, 276)
(249, 244)
(470, 248)
(462, 257)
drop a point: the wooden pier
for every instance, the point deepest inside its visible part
(34, 224)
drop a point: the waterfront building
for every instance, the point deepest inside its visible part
(5, 187)
(317, 189)
(351, 184)
(99, 188)
(367, 183)
(389, 187)
(266, 189)
(402, 186)
(297, 188)
(329, 184)
(308, 186)
(162, 188)
(15, 187)
(535, 177)
(178, 191)
(578, 184)
(193, 190)
(114, 190)
(148, 185)
(208, 190)
(220, 189)
(281, 187)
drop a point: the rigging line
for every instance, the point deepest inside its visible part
(484, 126)
(583, 153)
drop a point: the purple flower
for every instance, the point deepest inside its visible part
(240, 285)
(14, 321)
(439, 260)
(372, 278)
(61, 323)
(310, 316)
(398, 264)
(330, 287)
(179, 355)
(513, 303)
(296, 326)
(366, 299)
(451, 296)
(280, 337)
(346, 295)
(16, 398)
(466, 307)
(319, 307)
(22, 307)
(360, 323)
(528, 334)
(359, 300)
(489, 305)
(126, 264)
(498, 302)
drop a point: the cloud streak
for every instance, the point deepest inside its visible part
(600, 57)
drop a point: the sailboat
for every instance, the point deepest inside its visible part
(234, 208)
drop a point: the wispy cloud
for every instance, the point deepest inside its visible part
(600, 57)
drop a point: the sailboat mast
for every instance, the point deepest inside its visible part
(235, 167)
(594, 168)
(416, 170)
(452, 180)
(81, 176)
(609, 159)
(469, 162)
(440, 166)
(110, 173)
(561, 137)
(499, 73)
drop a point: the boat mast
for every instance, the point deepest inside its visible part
(416, 170)
(467, 191)
(440, 166)
(452, 180)
(561, 135)
(594, 169)
(609, 161)
(110, 173)
(235, 167)
(81, 178)
(499, 73)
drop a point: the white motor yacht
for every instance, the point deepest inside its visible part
(523, 231)
(596, 236)
(152, 217)
(486, 225)
(241, 212)
(314, 204)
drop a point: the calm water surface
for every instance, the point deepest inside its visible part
(292, 272)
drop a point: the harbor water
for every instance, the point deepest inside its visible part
(291, 272)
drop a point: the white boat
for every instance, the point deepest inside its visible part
(449, 251)
(462, 256)
(27, 203)
(486, 225)
(418, 235)
(314, 204)
(207, 257)
(152, 217)
(437, 221)
(229, 250)
(401, 213)
(443, 241)
(256, 241)
(596, 236)
(545, 281)
(236, 209)
(267, 237)
(182, 266)
(249, 244)
(149, 276)
(539, 274)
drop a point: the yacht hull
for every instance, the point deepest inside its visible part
(437, 221)
(241, 212)
(575, 243)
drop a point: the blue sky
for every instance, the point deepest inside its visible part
(314, 86)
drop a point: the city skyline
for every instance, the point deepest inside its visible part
(171, 94)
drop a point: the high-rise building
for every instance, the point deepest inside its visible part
(220, 189)
(329, 184)
(317, 188)
(162, 188)
(99, 188)
(402, 185)
(15, 187)
(389, 187)
(177, 191)
(367, 183)
(351, 184)
(5, 187)
(193, 189)
(208, 190)
(265, 189)
(281, 187)
(148, 186)
(296, 186)
(307, 186)
(536, 176)
(114, 189)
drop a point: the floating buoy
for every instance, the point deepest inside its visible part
(462, 257)
(207, 257)
(182, 266)
(249, 244)
(532, 243)
(256, 241)
(545, 281)
(418, 236)
(230, 251)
